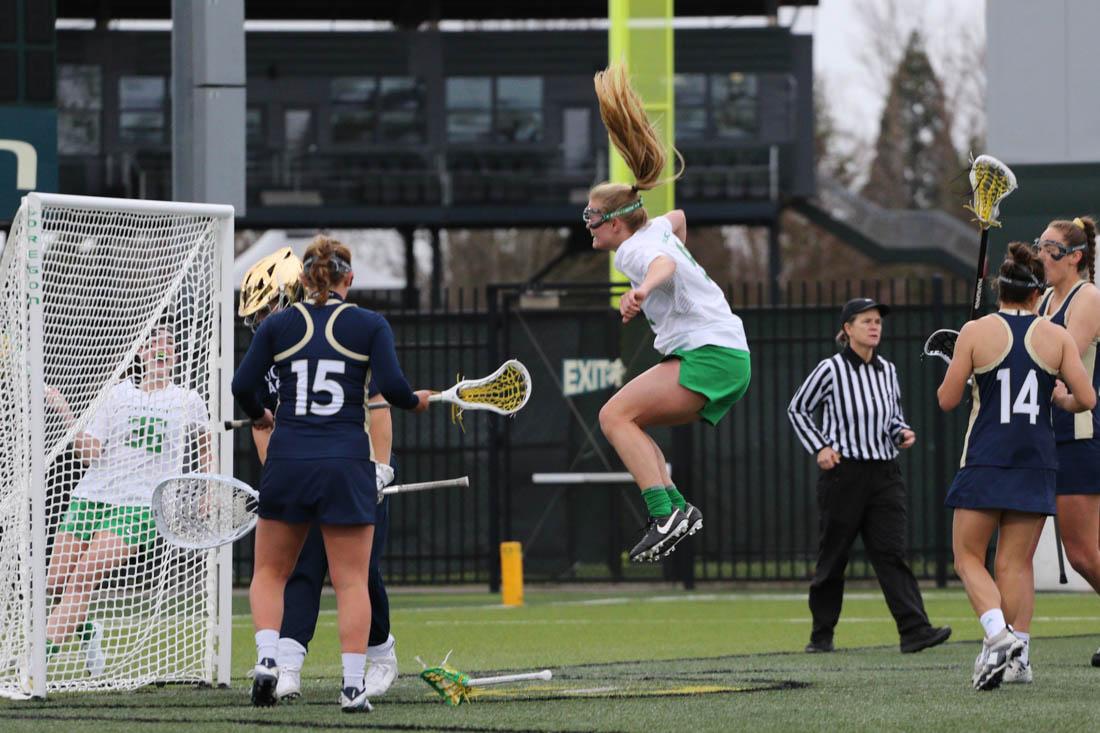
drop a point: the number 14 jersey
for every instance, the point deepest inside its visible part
(1010, 418)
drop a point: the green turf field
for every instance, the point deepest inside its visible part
(629, 660)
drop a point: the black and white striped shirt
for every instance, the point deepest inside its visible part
(863, 418)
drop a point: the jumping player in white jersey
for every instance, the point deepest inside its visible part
(139, 435)
(706, 366)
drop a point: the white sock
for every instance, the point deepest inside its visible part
(383, 650)
(354, 665)
(1026, 638)
(291, 653)
(267, 643)
(993, 621)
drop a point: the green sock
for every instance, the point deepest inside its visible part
(85, 630)
(51, 648)
(676, 497)
(656, 498)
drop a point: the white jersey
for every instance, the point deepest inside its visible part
(688, 311)
(144, 438)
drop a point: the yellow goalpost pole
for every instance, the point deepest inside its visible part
(640, 36)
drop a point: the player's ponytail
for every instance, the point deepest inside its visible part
(637, 141)
(1021, 275)
(325, 264)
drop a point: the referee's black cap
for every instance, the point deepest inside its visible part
(855, 306)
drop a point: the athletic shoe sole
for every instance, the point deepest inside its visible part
(263, 691)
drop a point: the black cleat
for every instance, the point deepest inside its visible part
(695, 523)
(265, 678)
(930, 637)
(819, 647)
(659, 533)
(1096, 659)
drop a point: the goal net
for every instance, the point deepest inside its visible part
(114, 331)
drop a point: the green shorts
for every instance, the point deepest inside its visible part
(718, 373)
(134, 524)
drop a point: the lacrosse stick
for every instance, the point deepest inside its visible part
(941, 344)
(504, 392)
(200, 511)
(990, 181)
(455, 687)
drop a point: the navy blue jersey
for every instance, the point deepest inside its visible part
(1069, 426)
(268, 392)
(1010, 419)
(324, 357)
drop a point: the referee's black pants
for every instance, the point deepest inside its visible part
(864, 498)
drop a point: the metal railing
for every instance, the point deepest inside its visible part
(749, 475)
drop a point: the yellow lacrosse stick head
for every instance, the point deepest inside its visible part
(450, 684)
(991, 181)
(271, 284)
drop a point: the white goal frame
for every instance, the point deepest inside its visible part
(218, 561)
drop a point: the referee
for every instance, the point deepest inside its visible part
(860, 491)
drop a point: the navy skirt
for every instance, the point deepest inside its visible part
(325, 491)
(1028, 490)
(1079, 467)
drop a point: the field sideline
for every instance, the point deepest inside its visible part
(628, 660)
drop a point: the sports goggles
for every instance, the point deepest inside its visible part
(590, 214)
(1059, 250)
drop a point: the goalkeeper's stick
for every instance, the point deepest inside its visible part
(455, 687)
(991, 181)
(941, 344)
(200, 511)
(504, 392)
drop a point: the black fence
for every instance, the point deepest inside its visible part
(749, 475)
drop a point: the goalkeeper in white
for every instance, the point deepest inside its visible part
(269, 286)
(138, 436)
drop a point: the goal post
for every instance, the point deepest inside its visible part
(117, 345)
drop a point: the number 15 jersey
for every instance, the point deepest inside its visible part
(324, 358)
(1010, 418)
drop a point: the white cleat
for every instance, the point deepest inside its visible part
(382, 671)
(354, 701)
(290, 684)
(1019, 672)
(95, 660)
(989, 669)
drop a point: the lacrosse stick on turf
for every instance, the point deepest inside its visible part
(991, 181)
(455, 687)
(200, 511)
(504, 392)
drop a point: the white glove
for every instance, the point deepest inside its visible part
(383, 476)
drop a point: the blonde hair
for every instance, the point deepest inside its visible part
(326, 264)
(636, 139)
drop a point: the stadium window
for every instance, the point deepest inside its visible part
(142, 102)
(469, 108)
(401, 110)
(691, 106)
(734, 99)
(79, 106)
(352, 117)
(518, 109)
